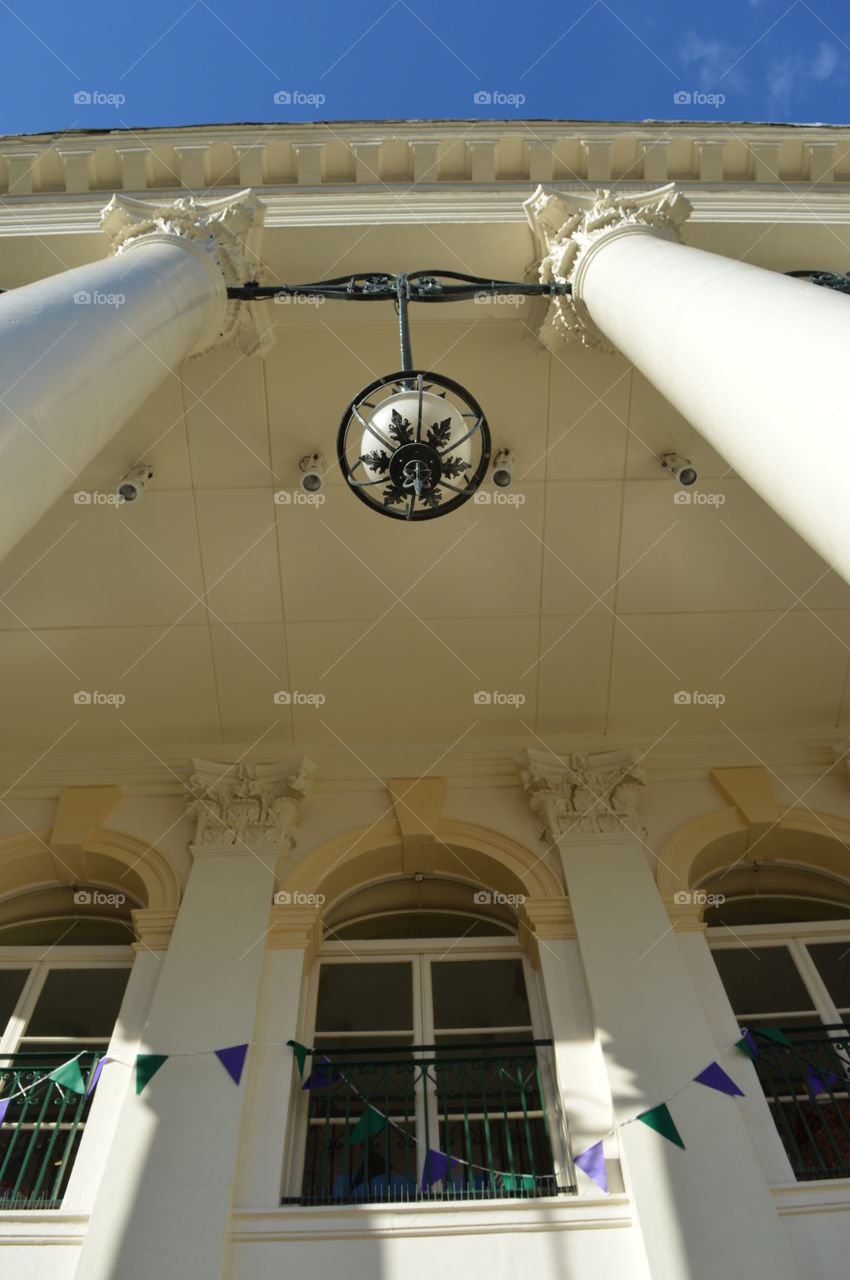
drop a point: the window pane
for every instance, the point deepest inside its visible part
(79, 1002)
(479, 993)
(763, 980)
(365, 997)
(833, 964)
(11, 985)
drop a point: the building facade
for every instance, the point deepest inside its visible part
(475, 897)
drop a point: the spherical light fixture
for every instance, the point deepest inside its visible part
(414, 445)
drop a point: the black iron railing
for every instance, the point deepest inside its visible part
(480, 1107)
(41, 1129)
(807, 1085)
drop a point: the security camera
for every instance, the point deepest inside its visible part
(504, 465)
(135, 482)
(680, 468)
(312, 472)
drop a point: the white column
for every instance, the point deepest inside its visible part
(704, 1212)
(82, 350)
(752, 358)
(165, 1197)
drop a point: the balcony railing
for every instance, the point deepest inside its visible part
(481, 1106)
(807, 1085)
(41, 1129)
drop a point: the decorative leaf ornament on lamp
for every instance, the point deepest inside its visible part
(413, 444)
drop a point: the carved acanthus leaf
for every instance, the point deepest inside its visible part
(566, 226)
(581, 795)
(253, 806)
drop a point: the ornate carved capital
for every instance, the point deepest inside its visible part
(584, 795)
(224, 233)
(567, 228)
(253, 806)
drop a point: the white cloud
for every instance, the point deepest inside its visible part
(712, 62)
(825, 61)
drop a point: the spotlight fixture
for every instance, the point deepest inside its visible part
(133, 485)
(312, 472)
(504, 466)
(413, 444)
(680, 468)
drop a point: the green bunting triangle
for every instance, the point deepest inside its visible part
(661, 1121)
(370, 1122)
(300, 1054)
(70, 1076)
(779, 1037)
(147, 1065)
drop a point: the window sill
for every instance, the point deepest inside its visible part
(323, 1222)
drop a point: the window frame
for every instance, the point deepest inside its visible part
(794, 937)
(40, 962)
(420, 952)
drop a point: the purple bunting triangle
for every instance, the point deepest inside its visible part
(437, 1167)
(747, 1044)
(714, 1077)
(233, 1060)
(592, 1162)
(819, 1082)
(4, 1105)
(96, 1075)
(321, 1077)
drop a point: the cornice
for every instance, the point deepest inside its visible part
(488, 764)
(218, 159)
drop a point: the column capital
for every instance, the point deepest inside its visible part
(568, 229)
(245, 806)
(224, 234)
(583, 796)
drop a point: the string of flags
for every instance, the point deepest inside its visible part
(437, 1165)
(592, 1160)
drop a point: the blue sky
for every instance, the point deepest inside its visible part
(86, 64)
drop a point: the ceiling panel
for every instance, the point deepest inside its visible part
(239, 553)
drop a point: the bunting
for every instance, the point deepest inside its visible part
(592, 1162)
(300, 1052)
(233, 1060)
(437, 1167)
(371, 1121)
(147, 1065)
(661, 1121)
(70, 1076)
(820, 1081)
(90, 1088)
(714, 1077)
